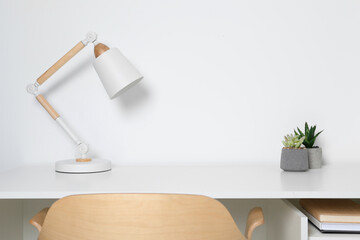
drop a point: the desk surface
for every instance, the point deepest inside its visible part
(333, 181)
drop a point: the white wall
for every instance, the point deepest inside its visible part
(224, 80)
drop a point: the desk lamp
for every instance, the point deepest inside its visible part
(116, 74)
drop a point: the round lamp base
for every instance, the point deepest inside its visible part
(72, 166)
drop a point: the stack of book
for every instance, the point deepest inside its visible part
(333, 215)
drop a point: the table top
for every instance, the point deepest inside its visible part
(232, 182)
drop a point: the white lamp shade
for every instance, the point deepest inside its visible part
(115, 72)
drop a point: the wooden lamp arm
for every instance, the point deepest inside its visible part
(90, 37)
(38, 220)
(47, 106)
(45, 76)
(82, 147)
(255, 219)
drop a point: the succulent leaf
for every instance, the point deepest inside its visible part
(293, 141)
(310, 136)
(306, 128)
(301, 133)
(318, 133)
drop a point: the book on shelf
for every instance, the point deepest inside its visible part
(333, 215)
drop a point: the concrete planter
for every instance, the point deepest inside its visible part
(296, 160)
(315, 157)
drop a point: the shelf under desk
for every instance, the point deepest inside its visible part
(315, 234)
(222, 182)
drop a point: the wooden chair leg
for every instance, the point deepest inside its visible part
(38, 220)
(255, 219)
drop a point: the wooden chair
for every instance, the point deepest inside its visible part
(141, 217)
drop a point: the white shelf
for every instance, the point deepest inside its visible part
(234, 182)
(315, 234)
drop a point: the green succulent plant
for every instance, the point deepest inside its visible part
(293, 141)
(310, 135)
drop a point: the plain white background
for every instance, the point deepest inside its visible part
(223, 80)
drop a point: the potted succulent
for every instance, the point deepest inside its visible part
(293, 156)
(314, 152)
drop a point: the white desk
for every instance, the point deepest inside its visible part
(218, 182)
(240, 188)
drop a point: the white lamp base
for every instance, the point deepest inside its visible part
(72, 166)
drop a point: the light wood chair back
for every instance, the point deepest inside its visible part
(139, 217)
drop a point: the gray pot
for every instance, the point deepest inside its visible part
(315, 157)
(295, 160)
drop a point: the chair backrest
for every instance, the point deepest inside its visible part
(139, 217)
